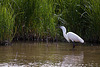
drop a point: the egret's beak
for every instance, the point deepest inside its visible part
(59, 26)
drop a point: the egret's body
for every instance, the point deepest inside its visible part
(70, 36)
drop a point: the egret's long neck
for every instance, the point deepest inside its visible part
(64, 30)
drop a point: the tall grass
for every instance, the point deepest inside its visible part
(92, 9)
(7, 20)
(70, 16)
(23, 10)
(82, 17)
(40, 18)
(43, 20)
(35, 17)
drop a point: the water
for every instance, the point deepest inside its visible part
(49, 55)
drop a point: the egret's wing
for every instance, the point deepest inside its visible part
(74, 37)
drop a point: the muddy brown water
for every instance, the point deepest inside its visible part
(26, 54)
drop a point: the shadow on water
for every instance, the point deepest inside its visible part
(49, 55)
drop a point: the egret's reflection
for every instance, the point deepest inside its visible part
(73, 59)
(68, 61)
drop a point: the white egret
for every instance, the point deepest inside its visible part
(70, 36)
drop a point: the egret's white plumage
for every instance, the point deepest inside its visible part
(71, 36)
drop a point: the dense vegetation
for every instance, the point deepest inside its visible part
(39, 19)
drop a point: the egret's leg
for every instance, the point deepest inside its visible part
(73, 45)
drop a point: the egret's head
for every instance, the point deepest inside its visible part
(63, 29)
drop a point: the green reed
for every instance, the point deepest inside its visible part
(40, 18)
(82, 17)
(43, 19)
(71, 16)
(7, 20)
(92, 11)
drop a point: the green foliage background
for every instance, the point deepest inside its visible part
(41, 19)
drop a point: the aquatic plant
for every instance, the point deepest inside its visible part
(43, 20)
(39, 19)
(7, 20)
(71, 16)
(92, 12)
(82, 17)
